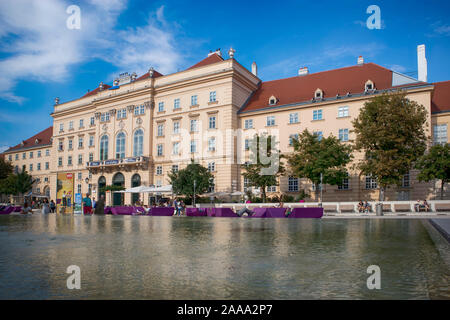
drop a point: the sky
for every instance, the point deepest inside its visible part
(42, 58)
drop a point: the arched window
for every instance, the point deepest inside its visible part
(101, 184)
(118, 180)
(318, 94)
(120, 146)
(138, 143)
(135, 182)
(104, 147)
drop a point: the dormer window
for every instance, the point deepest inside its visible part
(369, 86)
(273, 100)
(318, 94)
(36, 141)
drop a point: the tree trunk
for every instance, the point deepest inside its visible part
(442, 189)
(264, 194)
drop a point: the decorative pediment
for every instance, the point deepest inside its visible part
(318, 94)
(273, 100)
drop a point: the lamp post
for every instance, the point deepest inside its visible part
(195, 184)
(321, 194)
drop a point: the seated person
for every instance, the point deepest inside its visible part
(26, 209)
(361, 206)
(245, 210)
(426, 205)
(146, 208)
(367, 206)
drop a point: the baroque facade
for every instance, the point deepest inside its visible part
(140, 128)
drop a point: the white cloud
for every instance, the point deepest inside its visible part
(3, 148)
(39, 47)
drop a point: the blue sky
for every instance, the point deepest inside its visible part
(40, 58)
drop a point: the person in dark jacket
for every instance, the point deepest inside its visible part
(100, 205)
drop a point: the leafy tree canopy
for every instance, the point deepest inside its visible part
(183, 180)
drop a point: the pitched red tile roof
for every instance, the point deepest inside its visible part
(156, 74)
(214, 58)
(440, 98)
(96, 90)
(302, 88)
(43, 138)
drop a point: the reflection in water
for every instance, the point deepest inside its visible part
(127, 257)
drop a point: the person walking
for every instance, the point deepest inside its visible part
(100, 205)
(87, 205)
(45, 206)
(52, 206)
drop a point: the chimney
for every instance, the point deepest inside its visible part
(303, 71)
(421, 63)
(360, 60)
(255, 69)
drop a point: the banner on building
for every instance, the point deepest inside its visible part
(64, 193)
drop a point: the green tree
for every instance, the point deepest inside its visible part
(6, 168)
(183, 180)
(390, 131)
(435, 165)
(18, 183)
(265, 166)
(313, 156)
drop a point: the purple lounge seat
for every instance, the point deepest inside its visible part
(161, 211)
(306, 213)
(196, 212)
(140, 210)
(107, 210)
(276, 212)
(128, 211)
(221, 212)
(259, 213)
(17, 209)
(7, 210)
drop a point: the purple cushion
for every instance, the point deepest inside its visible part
(122, 211)
(259, 213)
(306, 213)
(107, 210)
(276, 212)
(163, 211)
(224, 212)
(18, 209)
(8, 210)
(196, 212)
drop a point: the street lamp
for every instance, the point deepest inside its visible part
(195, 184)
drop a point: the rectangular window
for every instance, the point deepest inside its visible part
(80, 176)
(92, 121)
(38, 167)
(160, 130)
(80, 142)
(39, 154)
(212, 122)
(194, 100)
(293, 184)
(405, 181)
(122, 113)
(24, 156)
(293, 117)
(91, 156)
(193, 146)
(211, 166)
(270, 121)
(81, 123)
(292, 137)
(91, 141)
(272, 189)
(79, 188)
(176, 127)
(160, 150)
(47, 165)
(175, 168)
(104, 117)
(317, 114)
(248, 124)
(344, 185)
(80, 159)
(59, 161)
(212, 96)
(247, 144)
(159, 170)
(343, 134)
(319, 135)
(161, 107)
(139, 110)
(10, 157)
(176, 148)
(70, 144)
(61, 127)
(69, 160)
(31, 155)
(17, 156)
(70, 125)
(371, 183)
(440, 134)
(343, 112)
(47, 152)
(194, 125)
(212, 144)
(176, 104)
(211, 186)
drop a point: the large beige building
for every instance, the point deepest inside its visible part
(138, 130)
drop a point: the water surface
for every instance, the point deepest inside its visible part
(126, 257)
